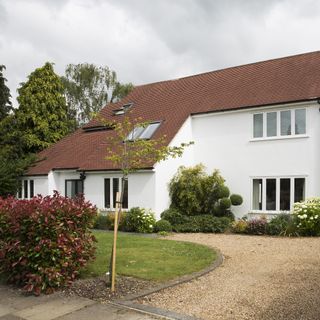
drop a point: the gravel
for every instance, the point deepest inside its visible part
(97, 288)
(260, 278)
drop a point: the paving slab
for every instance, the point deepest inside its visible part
(4, 310)
(53, 309)
(10, 317)
(106, 312)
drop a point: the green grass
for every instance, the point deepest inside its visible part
(149, 258)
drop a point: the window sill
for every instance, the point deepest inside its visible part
(269, 212)
(298, 136)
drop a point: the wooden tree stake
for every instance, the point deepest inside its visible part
(114, 251)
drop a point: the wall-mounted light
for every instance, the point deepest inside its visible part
(82, 175)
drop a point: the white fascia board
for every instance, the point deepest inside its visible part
(261, 109)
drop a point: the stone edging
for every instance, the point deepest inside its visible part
(128, 301)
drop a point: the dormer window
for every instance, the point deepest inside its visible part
(123, 109)
(143, 132)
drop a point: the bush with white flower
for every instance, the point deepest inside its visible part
(140, 220)
(307, 217)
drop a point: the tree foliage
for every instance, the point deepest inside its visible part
(193, 192)
(5, 103)
(88, 88)
(42, 114)
(134, 154)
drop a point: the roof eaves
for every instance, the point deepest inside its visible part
(254, 106)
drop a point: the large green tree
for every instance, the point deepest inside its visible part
(88, 88)
(42, 116)
(5, 103)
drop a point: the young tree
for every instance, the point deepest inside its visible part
(88, 88)
(127, 150)
(42, 114)
(5, 103)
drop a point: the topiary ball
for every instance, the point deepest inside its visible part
(236, 199)
(224, 203)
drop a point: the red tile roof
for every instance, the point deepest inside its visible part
(289, 79)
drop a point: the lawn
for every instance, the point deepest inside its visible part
(149, 258)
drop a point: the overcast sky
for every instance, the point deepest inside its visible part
(152, 40)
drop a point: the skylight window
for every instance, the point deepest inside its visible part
(123, 109)
(143, 132)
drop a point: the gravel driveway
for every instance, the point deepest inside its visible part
(260, 278)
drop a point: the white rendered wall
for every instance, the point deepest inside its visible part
(40, 185)
(224, 141)
(141, 188)
(165, 170)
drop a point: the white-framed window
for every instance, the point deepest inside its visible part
(111, 187)
(281, 123)
(277, 193)
(143, 132)
(26, 189)
(73, 187)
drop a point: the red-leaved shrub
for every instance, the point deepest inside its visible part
(45, 241)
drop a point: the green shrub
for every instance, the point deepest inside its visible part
(101, 222)
(282, 225)
(193, 193)
(45, 241)
(163, 225)
(236, 199)
(174, 216)
(240, 226)
(257, 226)
(307, 217)
(139, 220)
(222, 191)
(225, 203)
(204, 223)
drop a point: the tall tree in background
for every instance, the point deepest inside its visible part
(88, 88)
(13, 161)
(5, 103)
(42, 115)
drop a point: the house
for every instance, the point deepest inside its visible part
(259, 124)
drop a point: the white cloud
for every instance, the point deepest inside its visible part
(145, 41)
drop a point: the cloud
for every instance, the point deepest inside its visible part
(145, 41)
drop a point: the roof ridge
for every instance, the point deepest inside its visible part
(227, 68)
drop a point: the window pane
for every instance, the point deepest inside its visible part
(79, 187)
(285, 117)
(257, 194)
(115, 190)
(299, 189)
(25, 185)
(258, 125)
(135, 133)
(300, 119)
(20, 190)
(271, 194)
(107, 193)
(149, 130)
(125, 195)
(73, 188)
(31, 188)
(271, 124)
(284, 194)
(69, 185)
